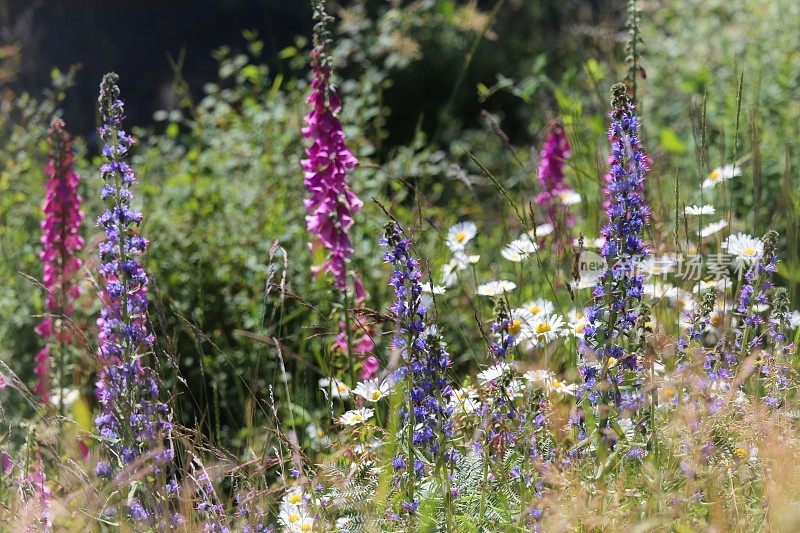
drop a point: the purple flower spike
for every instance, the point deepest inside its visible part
(555, 194)
(330, 204)
(133, 422)
(61, 243)
(609, 365)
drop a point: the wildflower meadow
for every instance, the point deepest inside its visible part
(432, 266)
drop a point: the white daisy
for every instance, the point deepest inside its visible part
(657, 291)
(294, 497)
(515, 389)
(373, 390)
(542, 230)
(627, 427)
(364, 447)
(589, 242)
(720, 174)
(463, 261)
(583, 283)
(356, 416)
(295, 519)
(577, 326)
(496, 288)
(716, 319)
(512, 254)
(700, 210)
(336, 388)
(657, 265)
(539, 307)
(794, 319)
(70, 396)
(683, 300)
(449, 276)
(548, 328)
(493, 373)
(520, 321)
(317, 436)
(561, 387)
(460, 261)
(540, 377)
(306, 526)
(703, 286)
(464, 400)
(569, 197)
(574, 315)
(519, 250)
(430, 288)
(460, 234)
(711, 229)
(745, 248)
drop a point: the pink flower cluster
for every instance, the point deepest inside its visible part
(61, 243)
(363, 347)
(554, 154)
(331, 204)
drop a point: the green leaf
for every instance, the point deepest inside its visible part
(286, 53)
(594, 70)
(173, 130)
(301, 415)
(446, 8)
(671, 143)
(251, 73)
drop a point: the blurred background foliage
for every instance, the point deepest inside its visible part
(424, 83)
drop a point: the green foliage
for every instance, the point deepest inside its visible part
(445, 105)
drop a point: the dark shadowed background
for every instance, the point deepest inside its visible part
(141, 39)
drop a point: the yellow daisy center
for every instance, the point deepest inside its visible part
(669, 393)
(535, 309)
(611, 362)
(357, 418)
(557, 384)
(294, 517)
(305, 527)
(749, 251)
(715, 175)
(580, 327)
(320, 433)
(376, 395)
(341, 388)
(294, 499)
(740, 452)
(515, 326)
(579, 315)
(460, 236)
(543, 328)
(716, 320)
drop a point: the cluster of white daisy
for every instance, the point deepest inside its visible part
(540, 379)
(294, 515)
(372, 391)
(536, 324)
